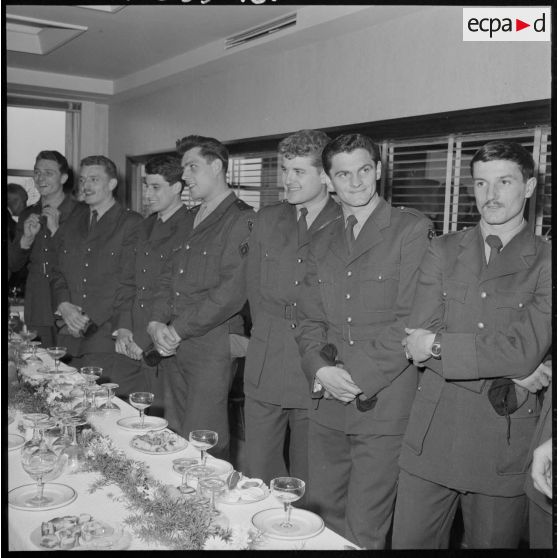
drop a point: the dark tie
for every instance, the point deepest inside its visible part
(495, 244)
(349, 232)
(302, 226)
(93, 221)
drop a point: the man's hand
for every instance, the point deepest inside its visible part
(52, 218)
(538, 379)
(338, 383)
(73, 318)
(134, 351)
(541, 471)
(418, 344)
(164, 338)
(31, 227)
(123, 338)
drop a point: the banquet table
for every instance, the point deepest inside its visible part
(101, 503)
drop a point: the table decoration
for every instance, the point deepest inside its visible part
(234, 538)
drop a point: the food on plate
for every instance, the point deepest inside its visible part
(157, 441)
(71, 531)
(247, 490)
(233, 479)
(50, 541)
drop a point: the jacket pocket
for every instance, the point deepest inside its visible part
(379, 289)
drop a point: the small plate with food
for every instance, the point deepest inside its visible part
(159, 442)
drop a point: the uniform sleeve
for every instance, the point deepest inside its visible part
(253, 266)
(60, 292)
(18, 257)
(229, 295)
(387, 357)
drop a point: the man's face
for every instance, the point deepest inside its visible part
(353, 176)
(96, 184)
(16, 204)
(159, 194)
(303, 182)
(501, 191)
(48, 178)
(201, 177)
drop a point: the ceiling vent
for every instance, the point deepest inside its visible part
(38, 36)
(106, 8)
(261, 31)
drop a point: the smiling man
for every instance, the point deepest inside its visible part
(201, 289)
(353, 308)
(481, 324)
(33, 245)
(93, 275)
(277, 395)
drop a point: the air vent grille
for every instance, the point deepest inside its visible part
(261, 31)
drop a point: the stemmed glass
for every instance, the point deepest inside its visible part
(141, 400)
(214, 487)
(13, 321)
(195, 473)
(287, 490)
(34, 357)
(203, 440)
(91, 373)
(74, 453)
(56, 353)
(27, 335)
(60, 437)
(109, 407)
(95, 390)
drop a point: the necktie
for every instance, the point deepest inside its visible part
(302, 226)
(349, 232)
(93, 221)
(495, 244)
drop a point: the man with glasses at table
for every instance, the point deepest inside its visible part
(33, 246)
(93, 275)
(480, 325)
(353, 307)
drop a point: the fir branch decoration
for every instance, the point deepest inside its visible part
(25, 398)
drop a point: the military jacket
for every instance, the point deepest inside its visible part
(276, 270)
(495, 322)
(360, 303)
(203, 283)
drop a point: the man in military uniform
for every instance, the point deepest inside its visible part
(481, 318)
(201, 289)
(162, 231)
(93, 276)
(276, 391)
(33, 246)
(353, 309)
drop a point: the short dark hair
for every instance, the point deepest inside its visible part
(210, 148)
(101, 160)
(509, 151)
(18, 190)
(305, 143)
(347, 143)
(168, 166)
(55, 156)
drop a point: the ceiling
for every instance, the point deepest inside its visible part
(140, 48)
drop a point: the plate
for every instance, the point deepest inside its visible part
(158, 438)
(61, 495)
(118, 539)
(15, 441)
(247, 491)
(151, 423)
(305, 524)
(221, 467)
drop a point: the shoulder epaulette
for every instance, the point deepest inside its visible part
(242, 205)
(411, 210)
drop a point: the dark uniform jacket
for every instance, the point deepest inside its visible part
(96, 271)
(38, 308)
(203, 282)
(360, 303)
(496, 322)
(276, 270)
(154, 244)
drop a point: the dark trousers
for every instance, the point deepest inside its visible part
(265, 433)
(196, 385)
(45, 334)
(425, 510)
(353, 481)
(540, 526)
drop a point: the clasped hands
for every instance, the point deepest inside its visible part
(125, 344)
(338, 384)
(73, 317)
(165, 339)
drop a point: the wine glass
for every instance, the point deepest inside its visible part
(94, 390)
(74, 453)
(13, 321)
(109, 407)
(34, 419)
(141, 400)
(34, 357)
(59, 434)
(36, 464)
(91, 373)
(193, 475)
(214, 487)
(56, 353)
(203, 440)
(287, 490)
(27, 335)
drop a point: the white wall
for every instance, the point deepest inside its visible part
(405, 67)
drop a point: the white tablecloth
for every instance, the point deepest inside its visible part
(100, 505)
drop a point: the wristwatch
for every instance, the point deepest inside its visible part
(436, 349)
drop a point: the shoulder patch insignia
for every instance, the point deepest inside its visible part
(431, 234)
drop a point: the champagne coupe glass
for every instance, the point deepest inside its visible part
(287, 490)
(109, 407)
(74, 453)
(203, 440)
(13, 322)
(215, 488)
(192, 478)
(91, 373)
(34, 419)
(34, 357)
(36, 464)
(56, 353)
(27, 335)
(141, 400)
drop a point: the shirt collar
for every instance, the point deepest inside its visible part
(102, 210)
(313, 210)
(169, 212)
(362, 213)
(505, 237)
(214, 202)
